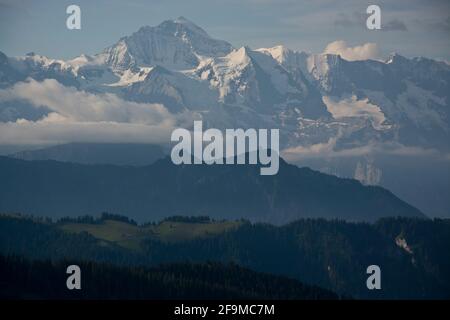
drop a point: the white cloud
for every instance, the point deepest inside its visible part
(311, 151)
(362, 52)
(328, 150)
(353, 108)
(79, 116)
(83, 106)
(24, 132)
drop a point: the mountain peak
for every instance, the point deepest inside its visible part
(183, 20)
(174, 44)
(395, 57)
(278, 52)
(240, 56)
(182, 27)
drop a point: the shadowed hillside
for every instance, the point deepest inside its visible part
(163, 189)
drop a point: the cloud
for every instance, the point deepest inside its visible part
(330, 150)
(76, 105)
(79, 116)
(43, 132)
(353, 108)
(394, 25)
(312, 151)
(363, 52)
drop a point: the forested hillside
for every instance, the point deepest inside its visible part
(24, 279)
(412, 253)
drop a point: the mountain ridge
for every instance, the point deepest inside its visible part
(163, 189)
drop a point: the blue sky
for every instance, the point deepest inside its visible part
(410, 27)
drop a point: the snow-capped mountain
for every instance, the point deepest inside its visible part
(177, 44)
(325, 106)
(312, 98)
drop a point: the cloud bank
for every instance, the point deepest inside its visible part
(79, 116)
(353, 108)
(362, 52)
(330, 150)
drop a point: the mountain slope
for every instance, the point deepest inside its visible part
(163, 189)
(412, 253)
(97, 153)
(36, 279)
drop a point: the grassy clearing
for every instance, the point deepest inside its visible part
(129, 236)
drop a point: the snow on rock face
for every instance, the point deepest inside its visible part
(279, 53)
(129, 77)
(176, 90)
(422, 107)
(233, 75)
(175, 44)
(325, 70)
(289, 59)
(249, 78)
(401, 242)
